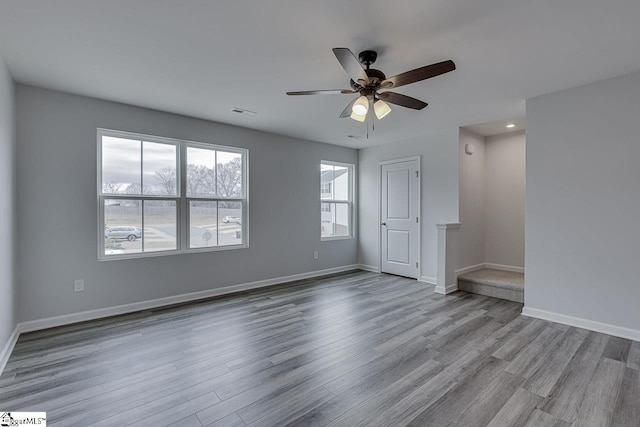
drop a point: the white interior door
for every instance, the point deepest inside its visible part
(400, 217)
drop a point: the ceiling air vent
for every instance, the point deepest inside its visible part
(243, 111)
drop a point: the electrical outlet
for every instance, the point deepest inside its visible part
(78, 285)
(315, 255)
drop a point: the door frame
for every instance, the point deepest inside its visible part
(379, 234)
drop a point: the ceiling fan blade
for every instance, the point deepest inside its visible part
(418, 74)
(347, 111)
(402, 100)
(351, 65)
(321, 92)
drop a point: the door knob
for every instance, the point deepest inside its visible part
(383, 223)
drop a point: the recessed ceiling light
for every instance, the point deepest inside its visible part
(511, 125)
(243, 111)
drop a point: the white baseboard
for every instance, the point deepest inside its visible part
(504, 267)
(592, 325)
(427, 279)
(469, 269)
(368, 268)
(8, 348)
(36, 325)
(446, 290)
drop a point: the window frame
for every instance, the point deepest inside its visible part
(349, 202)
(181, 199)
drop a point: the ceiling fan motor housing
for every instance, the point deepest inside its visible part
(375, 76)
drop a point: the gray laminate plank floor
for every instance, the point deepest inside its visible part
(352, 349)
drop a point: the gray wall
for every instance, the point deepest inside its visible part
(471, 248)
(583, 202)
(505, 199)
(439, 192)
(58, 217)
(7, 206)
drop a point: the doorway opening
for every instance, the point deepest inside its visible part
(491, 238)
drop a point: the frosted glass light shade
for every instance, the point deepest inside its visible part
(381, 108)
(358, 117)
(361, 106)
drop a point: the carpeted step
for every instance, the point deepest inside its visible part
(493, 283)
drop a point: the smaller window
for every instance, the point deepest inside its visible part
(336, 194)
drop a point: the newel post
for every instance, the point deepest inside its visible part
(447, 258)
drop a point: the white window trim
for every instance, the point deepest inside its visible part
(349, 202)
(181, 199)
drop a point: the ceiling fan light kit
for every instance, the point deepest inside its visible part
(368, 81)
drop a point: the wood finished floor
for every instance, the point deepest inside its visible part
(359, 349)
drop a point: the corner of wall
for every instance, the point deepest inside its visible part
(8, 215)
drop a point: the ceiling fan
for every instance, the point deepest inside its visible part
(368, 81)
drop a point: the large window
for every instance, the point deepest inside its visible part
(336, 200)
(163, 196)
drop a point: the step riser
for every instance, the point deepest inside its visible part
(491, 291)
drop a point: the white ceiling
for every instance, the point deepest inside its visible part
(202, 58)
(498, 127)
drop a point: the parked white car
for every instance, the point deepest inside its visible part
(123, 232)
(232, 219)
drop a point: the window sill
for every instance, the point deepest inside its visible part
(119, 257)
(329, 239)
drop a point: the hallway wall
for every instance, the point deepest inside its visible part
(473, 191)
(505, 199)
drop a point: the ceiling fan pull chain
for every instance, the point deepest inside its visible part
(373, 122)
(367, 124)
